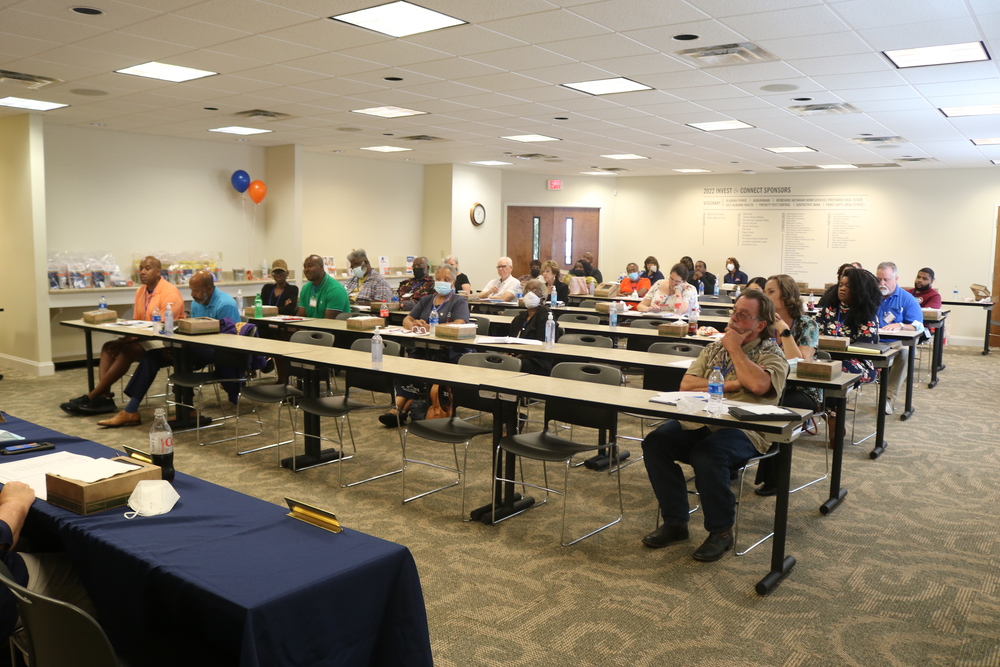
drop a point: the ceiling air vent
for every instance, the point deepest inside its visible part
(916, 159)
(741, 53)
(612, 170)
(422, 137)
(879, 140)
(808, 166)
(830, 109)
(29, 81)
(876, 165)
(534, 156)
(261, 114)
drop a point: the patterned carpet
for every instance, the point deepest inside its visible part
(905, 572)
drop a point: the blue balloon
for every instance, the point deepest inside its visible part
(240, 181)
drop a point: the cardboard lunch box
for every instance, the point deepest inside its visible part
(197, 325)
(84, 498)
(833, 343)
(673, 329)
(819, 370)
(100, 316)
(364, 322)
(456, 331)
(266, 311)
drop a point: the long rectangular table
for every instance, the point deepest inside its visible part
(987, 306)
(227, 579)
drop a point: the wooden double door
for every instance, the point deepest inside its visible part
(562, 234)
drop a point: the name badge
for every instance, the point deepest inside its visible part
(889, 318)
(313, 302)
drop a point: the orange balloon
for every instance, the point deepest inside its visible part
(257, 191)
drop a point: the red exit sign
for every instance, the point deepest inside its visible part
(555, 185)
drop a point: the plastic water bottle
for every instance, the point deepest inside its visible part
(168, 320)
(693, 312)
(715, 388)
(434, 322)
(550, 332)
(102, 303)
(157, 320)
(395, 299)
(701, 288)
(553, 297)
(377, 351)
(239, 300)
(737, 295)
(954, 295)
(613, 315)
(678, 300)
(519, 293)
(258, 307)
(161, 445)
(383, 310)
(812, 300)
(716, 288)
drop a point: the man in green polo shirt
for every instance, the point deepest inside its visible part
(322, 296)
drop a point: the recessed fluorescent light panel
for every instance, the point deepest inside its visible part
(598, 173)
(531, 138)
(491, 163)
(693, 171)
(994, 141)
(947, 54)
(626, 156)
(33, 105)
(995, 161)
(236, 129)
(398, 19)
(717, 125)
(164, 72)
(837, 166)
(791, 149)
(608, 86)
(386, 149)
(977, 110)
(389, 112)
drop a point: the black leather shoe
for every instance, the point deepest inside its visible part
(389, 419)
(766, 489)
(666, 535)
(714, 547)
(73, 405)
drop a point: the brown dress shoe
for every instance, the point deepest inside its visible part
(122, 419)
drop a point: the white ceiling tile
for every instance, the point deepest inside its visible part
(864, 15)
(325, 34)
(333, 64)
(395, 53)
(710, 33)
(215, 62)
(621, 15)
(280, 75)
(440, 89)
(182, 30)
(727, 8)
(542, 27)
(990, 24)
(480, 12)
(688, 78)
(250, 16)
(506, 81)
(521, 58)
(36, 26)
(599, 47)
(813, 20)
(140, 49)
(55, 70)
(862, 96)
(834, 82)
(949, 31)
(944, 73)
(116, 14)
(861, 62)
(815, 46)
(19, 46)
(464, 40)
(638, 67)
(773, 71)
(571, 73)
(937, 91)
(454, 68)
(267, 49)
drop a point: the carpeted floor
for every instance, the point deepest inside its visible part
(905, 572)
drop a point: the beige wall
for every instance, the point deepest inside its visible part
(24, 334)
(352, 202)
(282, 234)
(436, 234)
(477, 247)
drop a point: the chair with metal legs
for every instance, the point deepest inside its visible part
(752, 463)
(238, 362)
(341, 406)
(454, 430)
(547, 447)
(280, 394)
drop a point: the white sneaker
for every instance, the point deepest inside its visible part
(888, 406)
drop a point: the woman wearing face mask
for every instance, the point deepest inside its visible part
(662, 295)
(633, 282)
(366, 284)
(534, 271)
(652, 272)
(531, 324)
(735, 276)
(580, 281)
(452, 308)
(550, 274)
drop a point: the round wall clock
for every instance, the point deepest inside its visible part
(478, 214)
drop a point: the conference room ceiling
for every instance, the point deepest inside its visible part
(500, 74)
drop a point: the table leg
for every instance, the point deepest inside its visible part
(883, 396)
(314, 454)
(986, 336)
(781, 564)
(89, 341)
(837, 493)
(506, 501)
(908, 412)
(936, 356)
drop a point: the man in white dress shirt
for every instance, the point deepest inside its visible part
(505, 287)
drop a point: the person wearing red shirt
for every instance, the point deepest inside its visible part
(632, 282)
(923, 290)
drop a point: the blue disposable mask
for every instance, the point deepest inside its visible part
(634, 276)
(359, 271)
(442, 287)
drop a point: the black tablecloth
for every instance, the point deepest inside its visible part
(225, 578)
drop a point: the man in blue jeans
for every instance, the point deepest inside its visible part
(755, 370)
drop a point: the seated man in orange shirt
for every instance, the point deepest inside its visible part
(632, 282)
(118, 356)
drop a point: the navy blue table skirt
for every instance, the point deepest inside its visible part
(227, 579)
